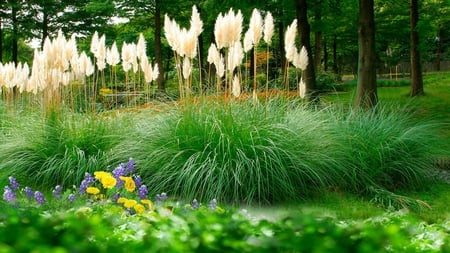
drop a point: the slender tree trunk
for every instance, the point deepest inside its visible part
(158, 48)
(325, 56)
(15, 33)
(44, 27)
(1, 39)
(318, 36)
(366, 96)
(416, 68)
(308, 74)
(335, 63)
(439, 49)
(281, 46)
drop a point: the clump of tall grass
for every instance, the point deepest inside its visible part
(233, 152)
(387, 149)
(238, 152)
(58, 149)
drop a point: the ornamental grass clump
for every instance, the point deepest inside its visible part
(234, 152)
(58, 149)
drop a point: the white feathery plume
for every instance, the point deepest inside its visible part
(71, 51)
(127, 57)
(188, 43)
(302, 88)
(22, 80)
(268, 28)
(248, 44)
(101, 53)
(172, 31)
(112, 55)
(220, 67)
(256, 26)
(236, 88)
(235, 56)
(187, 68)
(289, 41)
(228, 28)
(196, 22)
(94, 43)
(147, 69)
(155, 72)
(303, 59)
(213, 54)
(141, 47)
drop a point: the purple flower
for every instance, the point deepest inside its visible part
(119, 171)
(212, 204)
(13, 183)
(195, 204)
(72, 198)
(29, 192)
(57, 191)
(143, 192)
(115, 197)
(137, 181)
(130, 165)
(161, 197)
(87, 181)
(9, 195)
(40, 198)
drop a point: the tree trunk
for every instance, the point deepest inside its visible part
(308, 75)
(318, 36)
(325, 56)
(335, 64)
(366, 96)
(1, 39)
(15, 34)
(439, 49)
(281, 47)
(44, 26)
(416, 68)
(158, 48)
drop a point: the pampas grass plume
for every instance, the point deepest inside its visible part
(112, 55)
(268, 28)
(289, 41)
(196, 22)
(256, 26)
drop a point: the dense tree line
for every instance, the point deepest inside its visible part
(328, 28)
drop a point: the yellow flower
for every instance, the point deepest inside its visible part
(108, 182)
(139, 208)
(129, 203)
(121, 200)
(101, 174)
(93, 190)
(149, 203)
(129, 183)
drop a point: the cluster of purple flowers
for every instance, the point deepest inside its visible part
(123, 170)
(86, 182)
(10, 192)
(57, 192)
(9, 195)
